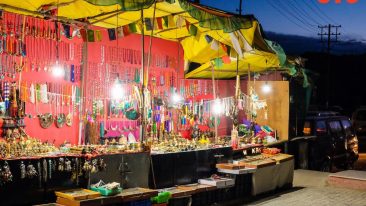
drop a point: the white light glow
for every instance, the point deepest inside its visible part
(58, 71)
(176, 98)
(117, 91)
(217, 107)
(266, 88)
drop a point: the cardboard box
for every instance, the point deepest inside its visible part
(219, 183)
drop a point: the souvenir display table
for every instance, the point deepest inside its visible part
(85, 106)
(127, 195)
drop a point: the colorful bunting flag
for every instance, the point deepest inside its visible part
(112, 34)
(208, 38)
(98, 35)
(67, 30)
(166, 20)
(236, 44)
(126, 30)
(247, 46)
(91, 37)
(83, 34)
(148, 24)
(120, 32)
(156, 24)
(218, 62)
(223, 46)
(232, 53)
(180, 21)
(132, 27)
(215, 45)
(193, 30)
(171, 23)
(159, 22)
(226, 59)
(187, 24)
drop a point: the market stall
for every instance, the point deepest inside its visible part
(98, 99)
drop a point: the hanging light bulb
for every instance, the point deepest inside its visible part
(176, 98)
(217, 107)
(266, 88)
(117, 92)
(58, 70)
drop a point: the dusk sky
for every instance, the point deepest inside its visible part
(302, 17)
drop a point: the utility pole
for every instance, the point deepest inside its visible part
(332, 37)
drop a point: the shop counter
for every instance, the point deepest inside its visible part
(271, 177)
(181, 168)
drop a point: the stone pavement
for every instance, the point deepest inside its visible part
(310, 188)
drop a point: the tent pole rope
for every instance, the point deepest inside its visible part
(146, 79)
(214, 94)
(142, 109)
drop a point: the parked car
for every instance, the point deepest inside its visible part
(359, 123)
(359, 120)
(335, 144)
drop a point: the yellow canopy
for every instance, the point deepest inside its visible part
(181, 15)
(253, 62)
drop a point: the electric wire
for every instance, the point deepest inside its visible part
(282, 7)
(319, 12)
(302, 11)
(288, 17)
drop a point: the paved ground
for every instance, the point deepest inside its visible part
(310, 188)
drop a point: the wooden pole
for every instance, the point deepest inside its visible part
(82, 93)
(214, 94)
(144, 84)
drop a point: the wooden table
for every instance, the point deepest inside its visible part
(127, 195)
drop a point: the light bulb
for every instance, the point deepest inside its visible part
(217, 107)
(58, 71)
(176, 98)
(266, 88)
(117, 91)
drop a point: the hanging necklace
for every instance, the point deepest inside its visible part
(113, 128)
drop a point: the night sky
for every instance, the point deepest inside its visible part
(301, 17)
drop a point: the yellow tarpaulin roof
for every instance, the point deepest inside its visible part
(258, 62)
(183, 13)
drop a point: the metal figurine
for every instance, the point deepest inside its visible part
(87, 167)
(22, 170)
(102, 165)
(94, 166)
(7, 176)
(68, 167)
(61, 164)
(39, 171)
(50, 168)
(31, 171)
(44, 167)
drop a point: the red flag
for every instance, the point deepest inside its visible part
(223, 46)
(126, 31)
(159, 20)
(226, 59)
(187, 25)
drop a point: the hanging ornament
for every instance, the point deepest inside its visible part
(22, 170)
(68, 167)
(46, 120)
(94, 168)
(61, 165)
(6, 175)
(31, 171)
(60, 120)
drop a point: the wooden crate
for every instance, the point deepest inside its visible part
(77, 194)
